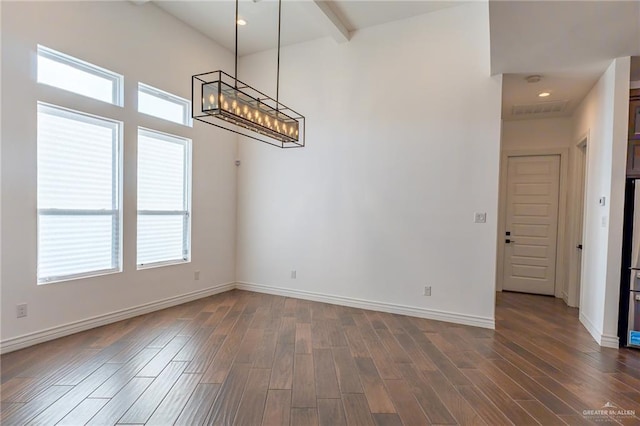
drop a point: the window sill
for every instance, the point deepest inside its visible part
(161, 264)
(82, 276)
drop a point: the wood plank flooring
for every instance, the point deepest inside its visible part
(242, 358)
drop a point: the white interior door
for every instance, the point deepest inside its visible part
(533, 184)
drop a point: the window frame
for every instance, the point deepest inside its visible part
(117, 91)
(186, 224)
(116, 197)
(187, 120)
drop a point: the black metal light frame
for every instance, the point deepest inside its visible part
(214, 113)
(222, 100)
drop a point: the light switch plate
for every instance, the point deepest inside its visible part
(480, 217)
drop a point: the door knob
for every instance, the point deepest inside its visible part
(579, 246)
(509, 241)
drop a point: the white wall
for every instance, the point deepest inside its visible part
(603, 115)
(535, 134)
(403, 141)
(144, 44)
(1, 309)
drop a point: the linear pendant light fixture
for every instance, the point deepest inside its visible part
(222, 100)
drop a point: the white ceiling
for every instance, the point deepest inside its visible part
(567, 86)
(302, 20)
(569, 43)
(360, 14)
(216, 19)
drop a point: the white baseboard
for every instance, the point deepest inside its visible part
(591, 328)
(605, 340)
(432, 314)
(20, 342)
(609, 341)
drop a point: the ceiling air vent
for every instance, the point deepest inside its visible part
(538, 109)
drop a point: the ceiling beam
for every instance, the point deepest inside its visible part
(336, 27)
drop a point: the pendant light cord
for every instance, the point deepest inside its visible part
(278, 69)
(236, 68)
(278, 63)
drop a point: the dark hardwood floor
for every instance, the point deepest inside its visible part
(249, 359)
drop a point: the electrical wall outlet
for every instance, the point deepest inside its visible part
(480, 217)
(196, 275)
(427, 290)
(294, 274)
(21, 310)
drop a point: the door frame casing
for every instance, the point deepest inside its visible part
(573, 284)
(561, 273)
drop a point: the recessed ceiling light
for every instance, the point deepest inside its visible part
(544, 94)
(242, 22)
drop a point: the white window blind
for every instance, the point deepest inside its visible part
(78, 194)
(68, 73)
(165, 105)
(164, 170)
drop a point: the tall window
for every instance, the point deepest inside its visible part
(164, 198)
(79, 160)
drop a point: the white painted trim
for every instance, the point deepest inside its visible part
(20, 342)
(432, 314)
(562, 208)
(609, 341)
(591, 328)
(604, 340)
(30, 339)
(573, 286)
